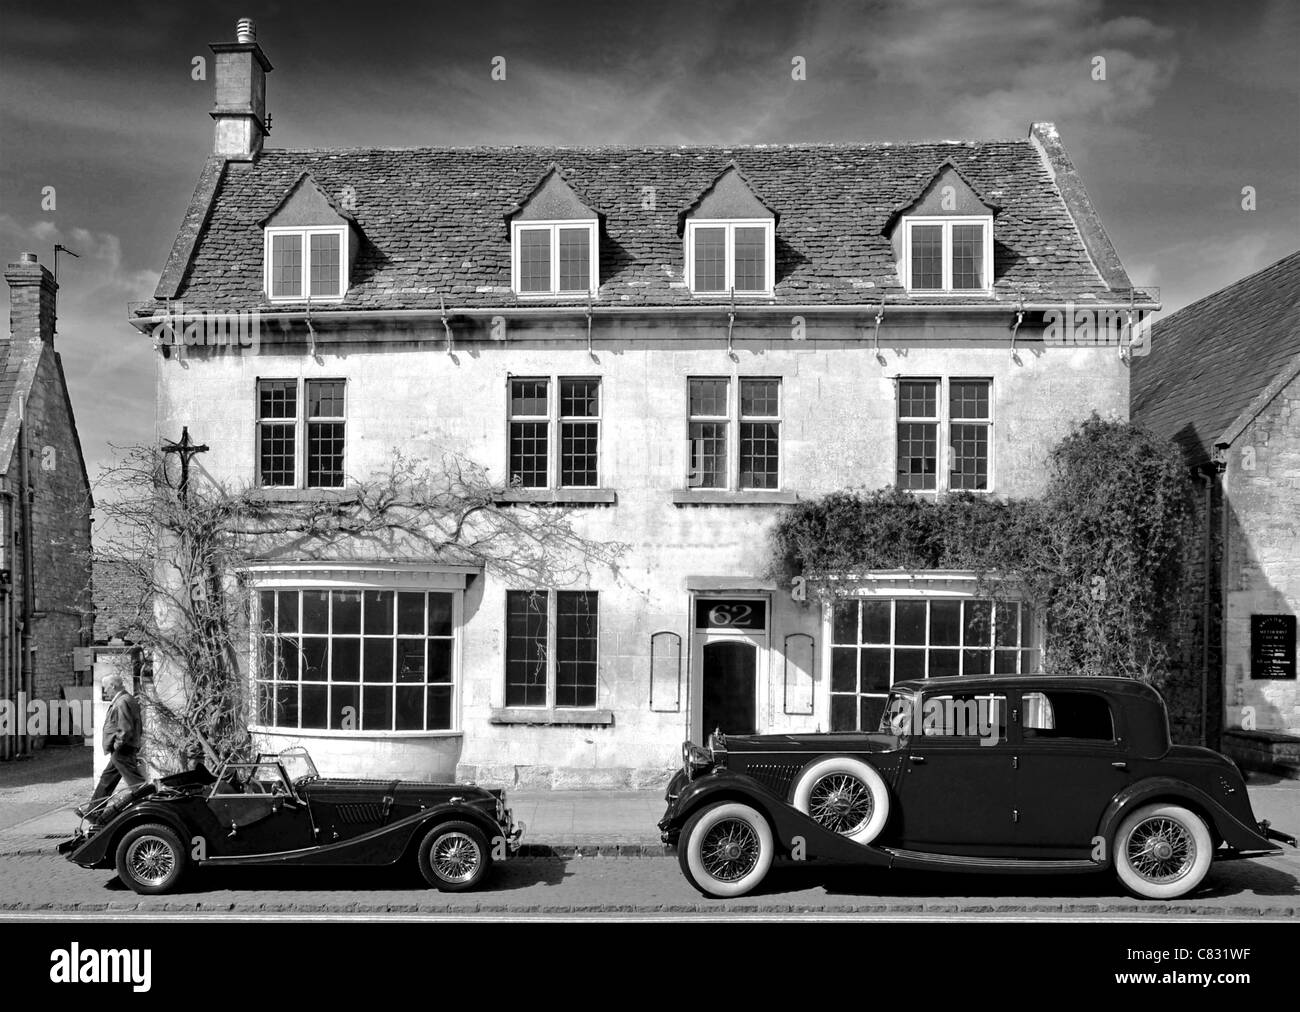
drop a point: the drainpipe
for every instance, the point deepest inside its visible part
(1225, 558)
(7, 612)
(1207, 566)
(26, 675)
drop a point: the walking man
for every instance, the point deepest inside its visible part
(121, 740)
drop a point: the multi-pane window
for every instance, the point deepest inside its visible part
(532, 639)
(918, 434)
(554, 258)
(356, 660)
(760, 426)
(579, 432)
(709, 415)
(325, 429)
(964, 416)
(927, 256)
(755, 417)
(301, 435)
(277, 429)
(575, 413)
(726, 256)
(876, 642)
(968, 414)
(948, 255)
(530, 432)
(304, 263)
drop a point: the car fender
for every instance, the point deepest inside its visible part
(384, 845)
(99, 851)
(1235, 833)
(794, 832)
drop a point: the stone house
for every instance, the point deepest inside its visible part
(45, 503)
(671, 342)
(1223, 381)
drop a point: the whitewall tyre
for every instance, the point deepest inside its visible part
(726, 849)
(1162, 851)
(845, 796)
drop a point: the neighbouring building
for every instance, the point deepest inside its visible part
(1223, 381)
(46, 612)
(673, 342)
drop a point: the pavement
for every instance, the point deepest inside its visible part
(37, 797)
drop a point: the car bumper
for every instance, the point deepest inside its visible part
(514, 833)
(1270, 833)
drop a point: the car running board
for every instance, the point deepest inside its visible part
(958, 862)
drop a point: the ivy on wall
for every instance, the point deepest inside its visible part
(1100, 554)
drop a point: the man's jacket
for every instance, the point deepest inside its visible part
(122, 724)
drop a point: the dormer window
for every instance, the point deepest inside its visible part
(554, 257)
(722, 256)
(948, 254)
(554, 241)
(304, 263)
(942, 235)
(729, 238)
(309, 245)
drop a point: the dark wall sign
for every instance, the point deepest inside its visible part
(1272, 646)
(724, 613)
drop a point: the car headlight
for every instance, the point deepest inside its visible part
(695, 759)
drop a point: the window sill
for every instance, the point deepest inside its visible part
(305, 494)
(723, 497)
(322, 732)
(528, 715)
(561, 496)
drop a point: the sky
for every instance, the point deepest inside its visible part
(98, 100)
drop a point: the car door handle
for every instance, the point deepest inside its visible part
(1120, 766)
(917, 758)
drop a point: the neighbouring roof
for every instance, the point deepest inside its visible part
(431, 218)
(1213, 364)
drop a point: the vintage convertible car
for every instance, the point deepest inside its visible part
(278, 810)
(973, 774)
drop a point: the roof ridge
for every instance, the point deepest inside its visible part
(746, 146)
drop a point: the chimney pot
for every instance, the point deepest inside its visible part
(245, 30)
(27, 258)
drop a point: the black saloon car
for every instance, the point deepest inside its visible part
(974, 774)
(277, 810)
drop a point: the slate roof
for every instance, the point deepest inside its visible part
(431, 220)
(1210, 362)
(18, 367)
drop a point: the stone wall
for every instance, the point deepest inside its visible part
(406, 392)
(1263, 557)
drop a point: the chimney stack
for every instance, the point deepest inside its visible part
(240, 112)
(31, 303)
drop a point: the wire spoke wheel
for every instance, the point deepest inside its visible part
(455, 857)
(841, 803)
(843, 795)
(730, 850)
(151, 860)
(1161, 850)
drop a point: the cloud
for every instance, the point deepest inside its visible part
(989, 67)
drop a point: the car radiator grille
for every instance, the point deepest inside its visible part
(776, 777)
(355, 814)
